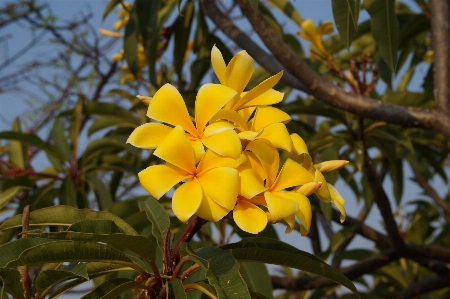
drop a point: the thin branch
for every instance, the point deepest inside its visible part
(440, 33)
(326, 91)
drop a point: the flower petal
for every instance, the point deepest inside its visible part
(304, 213)
(323, 192)
(199, 150)
(231, 116)
(308, 188)
(258, 90)
(291, 174)
(221, 184)
(252, 162)
(217, 127)
(210, 98)
(149, 135)
(210, 210)
(280, 205)
(269, 115)
(218, 64)
(177, 150)
(268, 158)
(225, 143)
(159, 179)
(290, 221)
(239, 71)
(249, 217)
(299, 145)
(270, 97)
(248, 135)
(246, 113)
(168, 106)
(212, 160)
(338, 201)
(331, 165)
(259, 200)
(187, 199)
(251, 183)
(278, 136)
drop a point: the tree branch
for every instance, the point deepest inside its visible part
(440, 28)
(326, 91)
(426, 285)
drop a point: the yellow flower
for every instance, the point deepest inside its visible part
(237, 74)
(200, 194)
(168, 106)
(314, 35)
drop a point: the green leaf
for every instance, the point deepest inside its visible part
(276, 252)
(60, 139)
(257, 278)
(10, 283)
(64, 288)
(385, 29)
(65, 216)
(111, 110)
(75, 125)
(101, 146)
(288, 9)
(182, 31)
(104, 198)
(254, 4)
(67, 195)
(38, 251)
(9, 194)
(176, 290)
(112, 288)
(109, 7)
(33, 140)
(130, 42)
(17, 153)
(346, 14)
(48, 279)
(411, 99)
(158, 217)
(222, 270)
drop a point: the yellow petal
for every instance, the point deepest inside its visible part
(187, 199)
(277, 135)
(212, 160)
(225, 143)
(269, 115)
(251, 183)
(210, 98)
(323, 192)
(168, 106)
(149, 135)
(292, 174)
(258, 90)
(246, 113)
(210, 210)
(309, 30)
(308, 188)
(110, 33)
(217, 127)
(248, 135)
(299, 145)
(239, 71)
(177, 150)
(249, 217)
(304, 213)
(268, 158)
(199, 150)
(221, 184)
(280, 205)
(326, 28)
(252, 162)
(270, 97)
(159, 179)
(335, 195)
(218, 64)
(290, 221)
(259, 200)
(328, 166)
(231, 116)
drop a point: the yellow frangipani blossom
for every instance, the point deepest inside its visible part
(168, 106)
(237, 74)
(314, 35)
(200, 194)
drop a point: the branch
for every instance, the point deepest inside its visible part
(426, 285)
(325, 90)
(440, 28)
(367, 265)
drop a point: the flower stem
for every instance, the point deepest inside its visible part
(193, 227)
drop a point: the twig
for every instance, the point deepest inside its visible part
(25, 228)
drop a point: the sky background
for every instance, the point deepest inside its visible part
(13, 104)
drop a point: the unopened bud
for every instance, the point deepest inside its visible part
(328, 166)
(309, 188)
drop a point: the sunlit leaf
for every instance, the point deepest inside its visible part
(158, 217)
(9, 194)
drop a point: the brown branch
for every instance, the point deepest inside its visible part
(430, 251)
(440, 28)
(426, 285)
(326, 91)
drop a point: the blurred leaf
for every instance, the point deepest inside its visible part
(10, 282)
(102, 194)
(111, 110)
(75, 126)
(109, 7)
(60, 139)
(415, 25)
(354, 254)
(276, 252)
(257, 278)
(340, 236)
(254, 4)
(411, 99)
(17, 153)
(385, 29)
(346, 15)
(103, 145)
(65, 216)
(176, 290)
(158, 217)
(182, 29)
(9, 194)
(67, 193)
(288, 9)
(112, 288)
(396, 174)
(130, 42)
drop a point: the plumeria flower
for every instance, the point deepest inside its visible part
(237, 74)
(314, 35)
(168, 106)
(326, 192)
(267, 124)
(209, 190)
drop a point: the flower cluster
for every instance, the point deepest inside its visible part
(226, 158)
